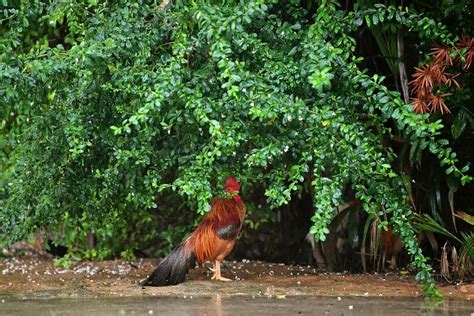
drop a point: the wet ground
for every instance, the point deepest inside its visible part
(33, 285)
(219, 305)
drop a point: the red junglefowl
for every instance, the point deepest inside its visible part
(212, 240)
(391, 246)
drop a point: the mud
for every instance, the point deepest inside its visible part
(37, 277)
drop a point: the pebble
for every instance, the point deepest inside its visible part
(150, 312)
(351, 307)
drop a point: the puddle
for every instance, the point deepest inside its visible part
(218, 305)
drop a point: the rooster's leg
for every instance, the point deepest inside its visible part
(217, 274)
(213, 269)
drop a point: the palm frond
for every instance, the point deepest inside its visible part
(465, 217)
(468, 246)
(428, 223)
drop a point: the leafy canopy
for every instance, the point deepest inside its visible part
(132, 100)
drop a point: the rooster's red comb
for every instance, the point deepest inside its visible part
(232, 183)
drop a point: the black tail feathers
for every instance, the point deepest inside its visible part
(173, 268)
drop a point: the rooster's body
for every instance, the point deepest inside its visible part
(212, 240)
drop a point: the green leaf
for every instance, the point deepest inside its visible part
(449, 170)
(459, 124)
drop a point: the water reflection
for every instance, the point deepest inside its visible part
(222, 305)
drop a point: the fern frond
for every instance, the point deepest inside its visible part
(468, 246)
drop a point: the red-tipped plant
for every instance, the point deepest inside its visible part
(430, 79)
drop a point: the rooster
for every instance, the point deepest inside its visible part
(391, 246)
(212, 240)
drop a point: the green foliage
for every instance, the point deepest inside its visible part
(465, 240)
(427, 223)
(134, 102)
(468, 247)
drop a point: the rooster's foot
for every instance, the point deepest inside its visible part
(221, 278)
